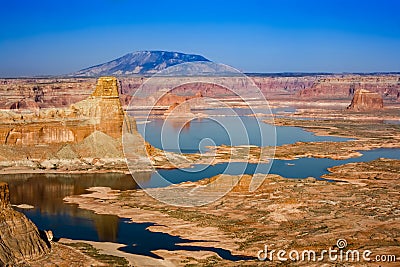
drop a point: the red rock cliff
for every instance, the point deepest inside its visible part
(364, 100)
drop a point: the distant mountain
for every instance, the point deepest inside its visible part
(142, 62)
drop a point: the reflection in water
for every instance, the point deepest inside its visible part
(46, 192)
(230, 130)
(180, 125)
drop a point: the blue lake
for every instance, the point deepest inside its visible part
(46, 192)
(194, 135)
(298, 168)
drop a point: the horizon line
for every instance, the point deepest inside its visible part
(251, 74)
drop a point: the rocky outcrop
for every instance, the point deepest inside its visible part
(177, 109)
(4, 196)
(104, 107)
(198, 89)
(25, 104)
(102, 111)
(69, 138)
(20, 240)
(365, 100)
(169, 99)
(344, 86)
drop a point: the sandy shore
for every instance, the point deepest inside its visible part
(112, 249)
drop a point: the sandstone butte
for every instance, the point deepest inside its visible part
(87, 130)
(20, 239)
(365, 100)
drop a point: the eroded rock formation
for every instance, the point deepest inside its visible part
(104, 107)
(345, 86)
(102, 111)
(28, 94)
(20, 240)
(365, 100)
(89, 129)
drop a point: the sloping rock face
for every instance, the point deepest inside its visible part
(20, 240)
(365, 100)
(141, 62)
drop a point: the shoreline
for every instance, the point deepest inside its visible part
(361, 139)
(110, 248)
(270, 209)
(348, 149)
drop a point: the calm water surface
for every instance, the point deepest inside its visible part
(298, 168)
(179, 135)
(46, 192)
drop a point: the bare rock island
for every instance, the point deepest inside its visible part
(20, 239)
(365, 100)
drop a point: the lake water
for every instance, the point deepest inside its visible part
(298, 168)
(46, 192)
(179, 135)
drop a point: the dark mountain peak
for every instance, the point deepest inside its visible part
(140, 62)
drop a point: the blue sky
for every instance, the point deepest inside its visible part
(57, 37)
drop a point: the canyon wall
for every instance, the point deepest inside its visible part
(101, 111)
(34, 94)
(86, 133)
(20, 240)
(270, 86)
(313, 86)
(43, 92)
(345, 86)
